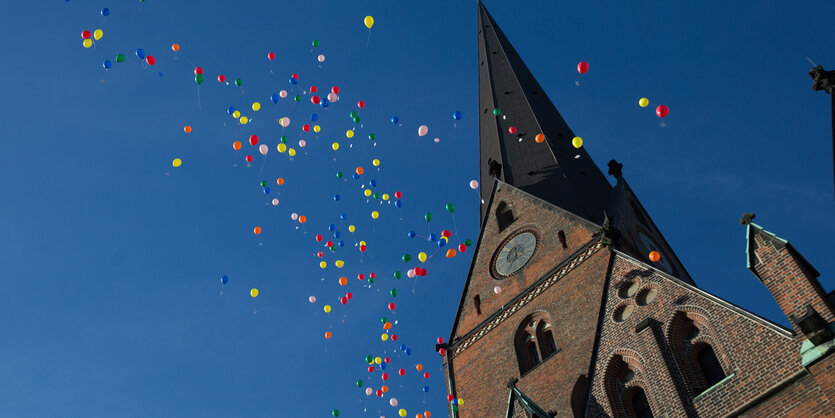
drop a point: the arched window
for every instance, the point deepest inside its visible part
(709, 365)
(624, 384)
(504, 215)
(640, 404)
(692, 341)
(534, 341)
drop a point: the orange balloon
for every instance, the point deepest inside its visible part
(328, 335)
(280, 181)
(187, 129)
(175, 47)
(257, 230)
(359, 171)
(302, 219)
(419, 367)
(540, 138)
(385, 388)
(450, 253)
(236, 145)
(427, 414)
(343, 281)
(387, 325)
(654, 256)
(418, 416)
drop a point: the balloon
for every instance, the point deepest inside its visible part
(140, 53)
(406, 257)
(285, 122)
(263, 149)
(253, 139)
(187, 129)
(198, 79)
(282, 93)
(281, 148)
(369, 22)
(249, 158)
(384, 337)
(253, 292)
(375, 214)
(393, 401)
(474, 184)
(457, 115)
(315, 100)
(175, 47)
(339, 263)
(359, 170)
(402, 412)
(327, 308)
(177, 162)
(271, 56)
(582, 67)
(335, 412)
(423, 130)
(150, 60)
(107, 64)
(422, 257)
(497, 290)
(335, 146)
(321, 58)
(120, 58)
(198, 70)
(662, 111)
(368, 391)
(512, 129)
(540, 138)
(275, 202)
(257, 230)
(236, 114)
(328, 335)
(577, 142)
(97, 34)
(391, 306)
(393, 292)
(450, 208)
(462, 248)
(87, 43)
(256, 106)
(316, 128)
(302, 219)
(315, 43)
(497, 111)
(654, 256)
(643, 102)
(375, 162)
(85, 34)
(351, 228)
(450, 253)
(243, 119)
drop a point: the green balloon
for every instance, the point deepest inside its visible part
(238, 82)
(263, 183)
(372, 136)
(468, 242)
(497, 112)
(375, 195)
(383, 319)
(356, 119)
(428, 216)
(406, 257)
(397, 275)
(454, 408)
(198, 79)
(315, 42)
(354, 114)
(283, 139)
(297, 97)
(339, 174)
(369, 360)
(335, 412)
(450, 208)
(120, 58)
(393, 293)
(370, 279)
(359, 381)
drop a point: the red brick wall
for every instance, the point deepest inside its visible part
(813, 395)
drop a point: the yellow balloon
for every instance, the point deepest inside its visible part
(244, 120)
(291, 152)
(460, 402)
(349, 133)
(256, 106)
(236, 114)
(339, 263)
(323, 264)
(445, 239)
(87, 43)
(335, 146)
(422, 257)
(253, 292)
(97, 34)
(362, 243)
(385, 196)
(369, 22)
(351, 228)
(317, 128)
(402, 412)
(577, 142)
(376, 162)
(282, 147)
(327, 308)
(384, 337)
(367, 192)
(375, 214)
(644, 102)
(177, 162)
(378, 360)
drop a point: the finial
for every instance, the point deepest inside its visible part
(822, 79)
(747, 218)
(615, 169)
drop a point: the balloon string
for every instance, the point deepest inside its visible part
(369, 38)
(199, 106)
(254, 307)
(262, 165)
(455, 225)
(221, 290)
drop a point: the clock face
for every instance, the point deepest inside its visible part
(515, 253)
(650, 246)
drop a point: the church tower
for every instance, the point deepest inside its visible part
(562, 312)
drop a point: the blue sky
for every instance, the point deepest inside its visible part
(112, 258)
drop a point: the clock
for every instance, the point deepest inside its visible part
(515, 253)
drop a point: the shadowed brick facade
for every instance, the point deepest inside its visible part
(585, 324)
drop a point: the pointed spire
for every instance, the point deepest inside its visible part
(513, 110)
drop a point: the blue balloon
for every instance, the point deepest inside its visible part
(337, 197)
(402, 347)
(293, 81)
(341, 243)
(408, 351)
(224, 279)
(324, 103)
(383, 365)
(426, 388)
(394, 120)
(336, 234)
(230, 110)
(441, 243)
(455, 401)
(344, 216)
(356, 176)
(331, 228)
(373, 183)
(457, 115)
(398, 203)
(274, 98)
(266, 190)
(411, 234)
(314, 117)
(107, 64)
(105, 12)
(140, 53)
(433, 237)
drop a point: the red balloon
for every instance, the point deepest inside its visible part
(426, 375)
(394, 337)
(379, 393)
(360, 104)
(401, 372)
(512, 129)
(253, 139)
(446, 233)
(329, 244)
(343, 300)
(462, 248)
(440, 340)
(398, 195)
(335, 89)
(387, 360)
(391, 306)
(442, 351)
(582, 67)
(319, 238)
(450, 397)
(249, 158)
(385, 376)
(370, 369)
(360, 276)
(362, 248)
(296, 76)
(86, 34)
(372, 275)
(315, 100)
(271, 56)
(150, 60)
(320, 254)
(221, 78)
(305, 127)
(198, 70)
(662, 111)
(349, 295)
(313, 89)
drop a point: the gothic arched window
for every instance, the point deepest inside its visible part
(640, 404)
(534, 341)
(692, 341)
(504, 215)
(709, 365)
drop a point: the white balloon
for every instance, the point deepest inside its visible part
(312, 299)
(411, 273)
(302, 143)
(283, 93)
(393, 401)
(333, 97)
(474, 184)
(294, 216)
(368, 391)
(263, 149)
(285, 121)
(497, 290)
(321, 58)
(275, 202)
(423, 130)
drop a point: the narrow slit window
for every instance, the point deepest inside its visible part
(477, 303)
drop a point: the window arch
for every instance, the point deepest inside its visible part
(626, 387)
(504, 215)
(694, 349)
(534, 341)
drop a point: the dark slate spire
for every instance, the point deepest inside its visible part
(547, 170)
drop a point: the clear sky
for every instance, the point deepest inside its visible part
(111, 258)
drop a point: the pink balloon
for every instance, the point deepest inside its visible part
(393, 401)
(275, 202)
(283, 93)
(474, 184)
(368, 391)
(437, 140)
(423, 130)
(263, 149)
(312, 299)
(294, 216)
(333, 97)
(285, 121)
(497, 290)
(302, 143)
(411, 273)
(321, 58)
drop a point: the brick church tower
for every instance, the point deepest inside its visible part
(563, 314)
